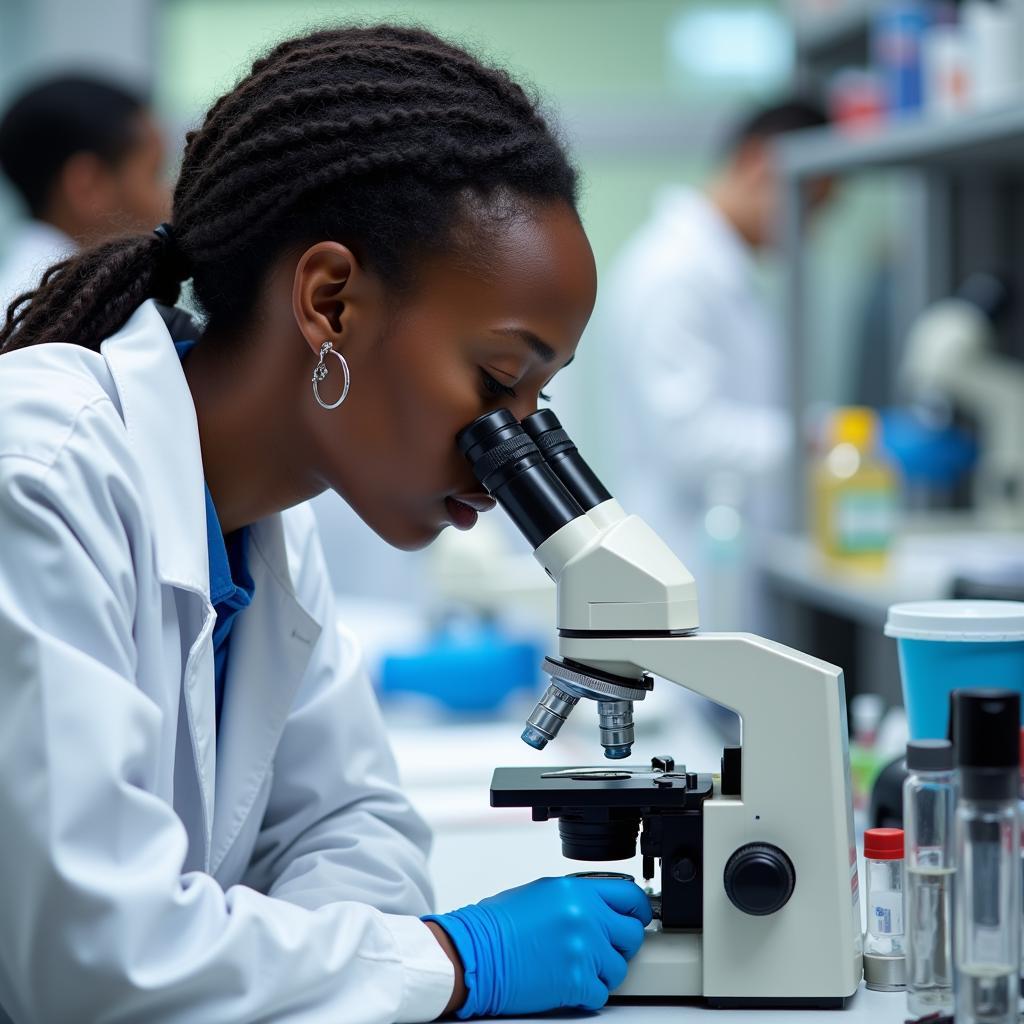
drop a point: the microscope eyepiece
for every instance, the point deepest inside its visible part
(512, 469)
(562, 455)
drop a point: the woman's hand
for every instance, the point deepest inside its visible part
(555, 942)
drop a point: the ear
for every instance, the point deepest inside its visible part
(325, 294)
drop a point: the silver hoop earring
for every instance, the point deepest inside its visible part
(320, 374)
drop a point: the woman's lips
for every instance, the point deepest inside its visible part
(464, 510)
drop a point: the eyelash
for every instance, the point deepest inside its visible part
(495, 387)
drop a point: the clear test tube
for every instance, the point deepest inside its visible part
(929, 809)
(986, 727)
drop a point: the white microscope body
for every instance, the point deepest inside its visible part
(620, 577)
(627, 607)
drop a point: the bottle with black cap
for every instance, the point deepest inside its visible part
(986, 726)
(929, 810)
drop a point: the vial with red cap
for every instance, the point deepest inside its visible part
(884, 863)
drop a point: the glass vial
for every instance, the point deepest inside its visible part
(883, 856)
(929, 809)
(986, 726)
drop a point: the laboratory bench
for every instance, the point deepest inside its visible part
(865, 1008)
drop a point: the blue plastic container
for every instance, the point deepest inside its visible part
(953, 645)
(469, 668)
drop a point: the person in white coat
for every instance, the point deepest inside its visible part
(700, 363)
(86, 157)
(199, 811)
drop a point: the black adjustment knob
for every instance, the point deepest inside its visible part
(759, 879)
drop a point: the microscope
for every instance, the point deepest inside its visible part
(759, 900)
(952, 354)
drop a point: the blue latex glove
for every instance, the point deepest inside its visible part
(555, 942)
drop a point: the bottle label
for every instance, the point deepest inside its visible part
(886, 917)
(864, 521)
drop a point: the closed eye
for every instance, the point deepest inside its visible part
(495, 387)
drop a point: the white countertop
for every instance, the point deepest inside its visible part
(865, 1008)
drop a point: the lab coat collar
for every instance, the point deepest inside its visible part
(163, 431)
(164, 434)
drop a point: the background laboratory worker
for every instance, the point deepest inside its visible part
(699, 363)
(86, 157)
(201, 819)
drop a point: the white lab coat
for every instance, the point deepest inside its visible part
(35, 247)
(150, 869)
(698, 383)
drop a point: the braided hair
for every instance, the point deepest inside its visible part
(373, 136)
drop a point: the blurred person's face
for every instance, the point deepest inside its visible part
(95, 200)
(757, 166)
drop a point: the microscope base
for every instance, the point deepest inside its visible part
(668, 964)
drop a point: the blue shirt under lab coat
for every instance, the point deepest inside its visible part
(231, 586)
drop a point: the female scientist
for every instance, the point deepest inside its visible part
(198, 806)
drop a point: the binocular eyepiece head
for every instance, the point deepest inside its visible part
(532, 469)
(507, 461)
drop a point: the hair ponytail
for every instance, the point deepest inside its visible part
(88, 297)
(380, 137)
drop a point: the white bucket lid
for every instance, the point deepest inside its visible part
(974, 621)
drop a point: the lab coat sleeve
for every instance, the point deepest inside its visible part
(337, 826)
(97, 921)
(678, 374)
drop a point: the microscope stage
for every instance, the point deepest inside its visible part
(599, 787)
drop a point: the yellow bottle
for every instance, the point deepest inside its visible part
(854, 493)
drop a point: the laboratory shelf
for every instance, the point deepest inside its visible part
(979, 141)
(923, 566)
(822, 36)
(793, 564)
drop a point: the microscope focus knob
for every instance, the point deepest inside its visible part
(759, 879)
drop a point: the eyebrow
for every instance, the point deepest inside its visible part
(540, 348)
